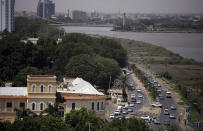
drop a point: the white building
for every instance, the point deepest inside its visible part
(7, 15)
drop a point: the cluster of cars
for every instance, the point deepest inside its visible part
(155, 120)
(122, 111)
(171, 115)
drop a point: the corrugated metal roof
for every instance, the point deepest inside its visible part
(13, 91)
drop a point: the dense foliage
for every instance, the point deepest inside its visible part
(76, 120)
(79, 55)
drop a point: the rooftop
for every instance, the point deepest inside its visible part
(13, 91)
(81, 86)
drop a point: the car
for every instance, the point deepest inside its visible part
(161, 97)
(157, 104)
(172, 116)
(130, 110)
(168, 94)
(157, 121)
(166, 112)
(140, 96)
(125, 112)
(146, 117)
(138, 102)
(132, 105)
(166, 122)
(132, 96)
(111, 116)
(173, 107)
(117, 112)
(133, 99)
(128, 117)
(139, 90)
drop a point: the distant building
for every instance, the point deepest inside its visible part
(78, 15)
(45, 8)
(124, 19)
(7, 15)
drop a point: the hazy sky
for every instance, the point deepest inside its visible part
(129, 6)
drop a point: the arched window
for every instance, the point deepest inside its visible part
(42, 88)
(41, 106)
(97, 105)
(92, 105)
(33, 106)
(33, 88)
(50, 88)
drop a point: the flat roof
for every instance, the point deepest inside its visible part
(41, 76)
(13, 91)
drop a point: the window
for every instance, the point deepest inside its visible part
(97, 105)
(102, 106)
(50, 88)
(22, 105)
(42, 88)
(41, 106)
(33, 106)
(33, 88)
(9, 104)
(92, 105)
(73, 106)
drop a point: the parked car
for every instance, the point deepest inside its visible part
(130, 110)
(138, 102)
(132, 105)
(157, 121)
(168, 94)
(173, 107)
(139, 90)
(166, 112)
(140, 96)
(161, 97)
(172, 116)
(128, 117)
(146, 117)
(133, 100)
(111, 116)
(157, 104)
(125, 112)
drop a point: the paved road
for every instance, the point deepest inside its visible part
(166, 103)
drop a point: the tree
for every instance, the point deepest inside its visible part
(20, 78)
(22, 113)
(51, 110)
(83, 120)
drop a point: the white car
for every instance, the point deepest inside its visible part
(138, 102)
(172, 116)
(145, 118)
(166, 112)
(125, 112)
(140, 96)
(132, 105)
(157, 104)
(111, 116)
(139, 90)
(130, 110)
(117, 112)
(132, 96)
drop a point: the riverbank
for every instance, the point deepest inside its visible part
(184, 76)
(165, 31)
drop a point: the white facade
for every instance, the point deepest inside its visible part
(7, 15)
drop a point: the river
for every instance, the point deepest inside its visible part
(188, 45)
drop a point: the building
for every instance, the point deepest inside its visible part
(45, 8)
(80, 93)
(78, 15)
(32, 40)
(11, 98)
(41, 91)
(7, 15)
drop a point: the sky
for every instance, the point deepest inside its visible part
(115, 6)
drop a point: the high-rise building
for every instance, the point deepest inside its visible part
(45, 8)
(7, 15)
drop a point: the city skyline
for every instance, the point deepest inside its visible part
(115, 6)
